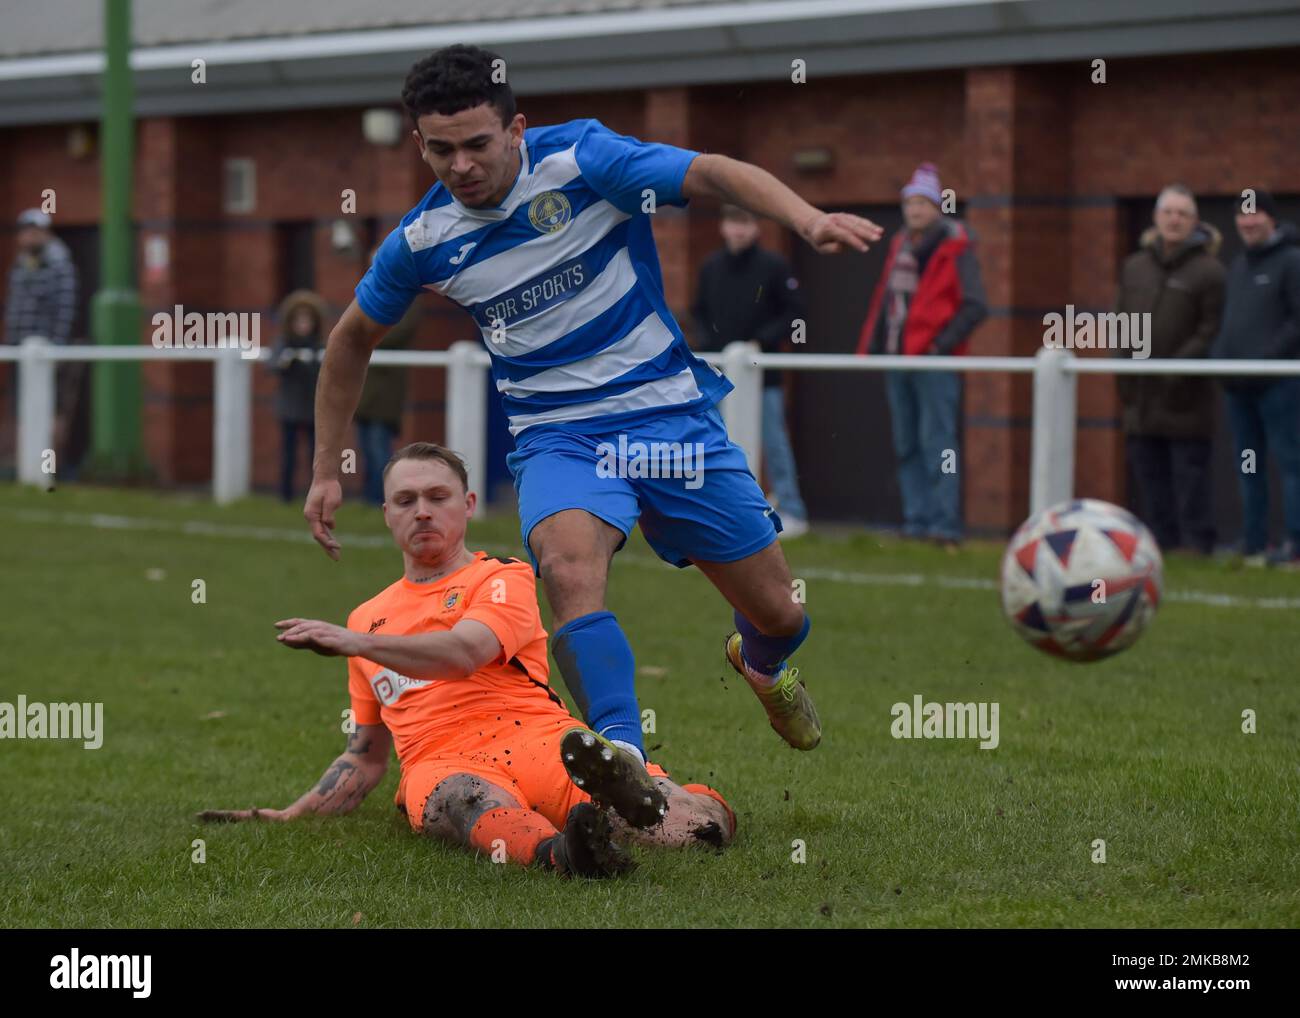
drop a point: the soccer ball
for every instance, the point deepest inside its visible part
(1081, 580)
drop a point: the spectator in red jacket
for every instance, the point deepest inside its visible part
(927, 302)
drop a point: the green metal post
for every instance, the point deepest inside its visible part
(115, 311)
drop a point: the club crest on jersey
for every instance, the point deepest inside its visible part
(452, 599)
(549, 211)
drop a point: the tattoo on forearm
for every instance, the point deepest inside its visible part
(331, 777)
(341, 788)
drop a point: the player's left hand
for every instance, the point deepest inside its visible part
(834, 232)
(322, 637)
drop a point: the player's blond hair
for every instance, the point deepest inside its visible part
(430, 451)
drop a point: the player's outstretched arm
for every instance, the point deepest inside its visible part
(338, 391)
(456, 653)
(752, 187)
(348, 780)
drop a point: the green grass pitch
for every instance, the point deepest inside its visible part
(203, 709)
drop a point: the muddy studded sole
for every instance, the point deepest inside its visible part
(586, 846)
(612, 777)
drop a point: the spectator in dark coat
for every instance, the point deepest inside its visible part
(1261, 321)
(295, 357)
(748, 294)
(927, 303)
(1168, 419)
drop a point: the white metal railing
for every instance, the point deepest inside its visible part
(1054, 421)
(232, 401)
(1055, 382)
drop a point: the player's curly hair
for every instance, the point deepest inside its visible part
(457, 78)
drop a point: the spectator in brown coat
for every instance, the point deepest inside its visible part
(1175, 277)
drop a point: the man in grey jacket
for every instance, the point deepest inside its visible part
(1261, 321)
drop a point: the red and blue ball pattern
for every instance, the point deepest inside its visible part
(1081, 580)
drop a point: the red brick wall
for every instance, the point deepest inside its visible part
(1039, 154)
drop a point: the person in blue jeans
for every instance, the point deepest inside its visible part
(923, 408)
(1261, 321)
(778, 462)
(747, 293)
(928, 301)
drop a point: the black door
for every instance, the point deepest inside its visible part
(296, 243)
(839, 420)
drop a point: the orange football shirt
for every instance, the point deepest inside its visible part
(422, 713)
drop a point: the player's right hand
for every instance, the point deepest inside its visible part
(227, 816)
(325, 496)
(835, 232)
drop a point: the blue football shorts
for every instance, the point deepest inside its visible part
(680, 475)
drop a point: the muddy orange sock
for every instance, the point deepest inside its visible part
(518, 830)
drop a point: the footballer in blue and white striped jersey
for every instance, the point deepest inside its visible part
(543, 236)
(562, 279)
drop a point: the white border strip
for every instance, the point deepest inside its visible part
(362, 42)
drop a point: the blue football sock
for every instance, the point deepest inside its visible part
(766, 653)
(597, 665)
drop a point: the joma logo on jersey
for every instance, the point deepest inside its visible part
(549, 211)
(377, 623)
(465, 249)
(389, 685)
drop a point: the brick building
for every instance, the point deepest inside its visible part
(1054, 170)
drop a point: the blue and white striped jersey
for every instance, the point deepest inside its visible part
(563, 280)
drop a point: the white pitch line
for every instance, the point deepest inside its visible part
(198, 528)
(982, 583)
